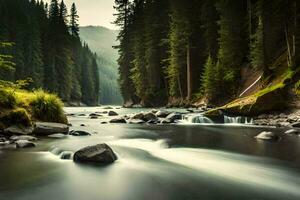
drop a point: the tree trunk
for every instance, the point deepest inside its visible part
(189, 74)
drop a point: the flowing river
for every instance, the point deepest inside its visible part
(156, 162)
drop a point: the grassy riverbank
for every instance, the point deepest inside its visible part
(22, 107)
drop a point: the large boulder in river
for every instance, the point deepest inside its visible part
(16, 130)
(24, 144)
(120, 120)
(149, 116)
(267, 136)
(47, 128)
(100, 153)
(162, 113)
(138, 116)
(174, 116)
(112, 113)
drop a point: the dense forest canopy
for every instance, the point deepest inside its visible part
(185, 50)
(47, 49)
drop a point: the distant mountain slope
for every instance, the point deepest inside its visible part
(101, 41)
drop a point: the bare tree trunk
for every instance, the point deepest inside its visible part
(189, 75)
(289, 56)
(179, 86)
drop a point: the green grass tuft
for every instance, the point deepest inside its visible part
(7, 98)
(47, 107)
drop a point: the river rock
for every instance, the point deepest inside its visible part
(94, 117)
(138, 116)
(149, 116)
(23, 137)
(57, 136)
(66, 155)
(79, 133)
(166, 121)
(16, 130)
(118, 121)
(296, 124)
(267, 136)
(100, 153)
(136, 121)
(24, 144)
(47, 128)
(107, 108)
(292, 131)
(82, 115)
(162, 113)
(153, 121)
(112, 113)
(174, 116)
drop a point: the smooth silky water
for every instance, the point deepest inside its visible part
(156, 162)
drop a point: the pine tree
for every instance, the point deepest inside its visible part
(74, 26)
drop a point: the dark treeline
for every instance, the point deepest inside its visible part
(47, 49)
(178, 49)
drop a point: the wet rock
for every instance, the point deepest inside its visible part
(154, 111)
(118, 121)
(23, 137)
(24, 144)
(82, 124)
(292, 131)
(138, 116)
(66, 155)
(267, 136)
(103, 123)
(47, 128)
(82, 115)
(100, 153)
(153, 121)
(174, 116)
(136, 121)
(296, 124)
(3, 143)
(107, 108)
(79, 133)
(162, 113)
(112, 113)
(149, 116)
(16, 130)
(166, 121)
(94, 117)
(57, 136)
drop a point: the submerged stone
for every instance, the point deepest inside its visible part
(267, 136)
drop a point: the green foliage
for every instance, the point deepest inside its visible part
(47, 107)
(17, 116)
(46, 48)
(7, 98)
(209, 79)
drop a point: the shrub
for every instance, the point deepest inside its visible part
(47, 107)
(17, 116)
(7, 98)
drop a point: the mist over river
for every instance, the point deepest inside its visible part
(155, 162)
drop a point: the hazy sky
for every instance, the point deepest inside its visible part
(94, 12)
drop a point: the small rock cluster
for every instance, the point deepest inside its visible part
(152, 117)
(279, 120)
